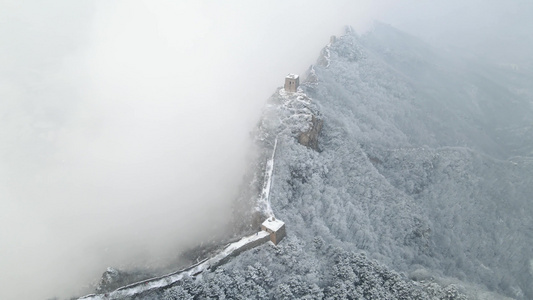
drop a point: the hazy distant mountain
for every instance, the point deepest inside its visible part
(420, 186)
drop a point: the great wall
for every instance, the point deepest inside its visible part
(272, 230)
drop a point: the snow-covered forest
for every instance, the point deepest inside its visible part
(152, 150)
(420, 187)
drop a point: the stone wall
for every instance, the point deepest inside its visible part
(291, 83)
(239, 251)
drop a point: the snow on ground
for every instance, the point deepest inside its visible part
(273, 224)
(263, 203)
(292, 76)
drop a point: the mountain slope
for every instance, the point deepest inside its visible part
(419, 187)
(441, 146)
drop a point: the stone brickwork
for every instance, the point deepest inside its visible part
(292, 82)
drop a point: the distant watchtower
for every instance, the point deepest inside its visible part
(292, 81)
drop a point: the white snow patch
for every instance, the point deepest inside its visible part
(264, 200)
(273, 224)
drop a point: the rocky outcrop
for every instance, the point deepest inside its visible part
(309, 138)
(113, 279)
(109, 280)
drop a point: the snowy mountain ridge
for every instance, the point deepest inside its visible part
(418, 187)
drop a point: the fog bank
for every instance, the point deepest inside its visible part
(124, 125)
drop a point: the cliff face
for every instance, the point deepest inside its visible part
(310, 137)
(291, 116)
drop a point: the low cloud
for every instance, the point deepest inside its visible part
(124, 125)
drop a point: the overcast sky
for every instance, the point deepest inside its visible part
(124, 125)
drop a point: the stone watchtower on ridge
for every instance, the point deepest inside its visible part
(292, 81)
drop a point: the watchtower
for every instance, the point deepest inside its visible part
(276, 228)
(292, 81)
